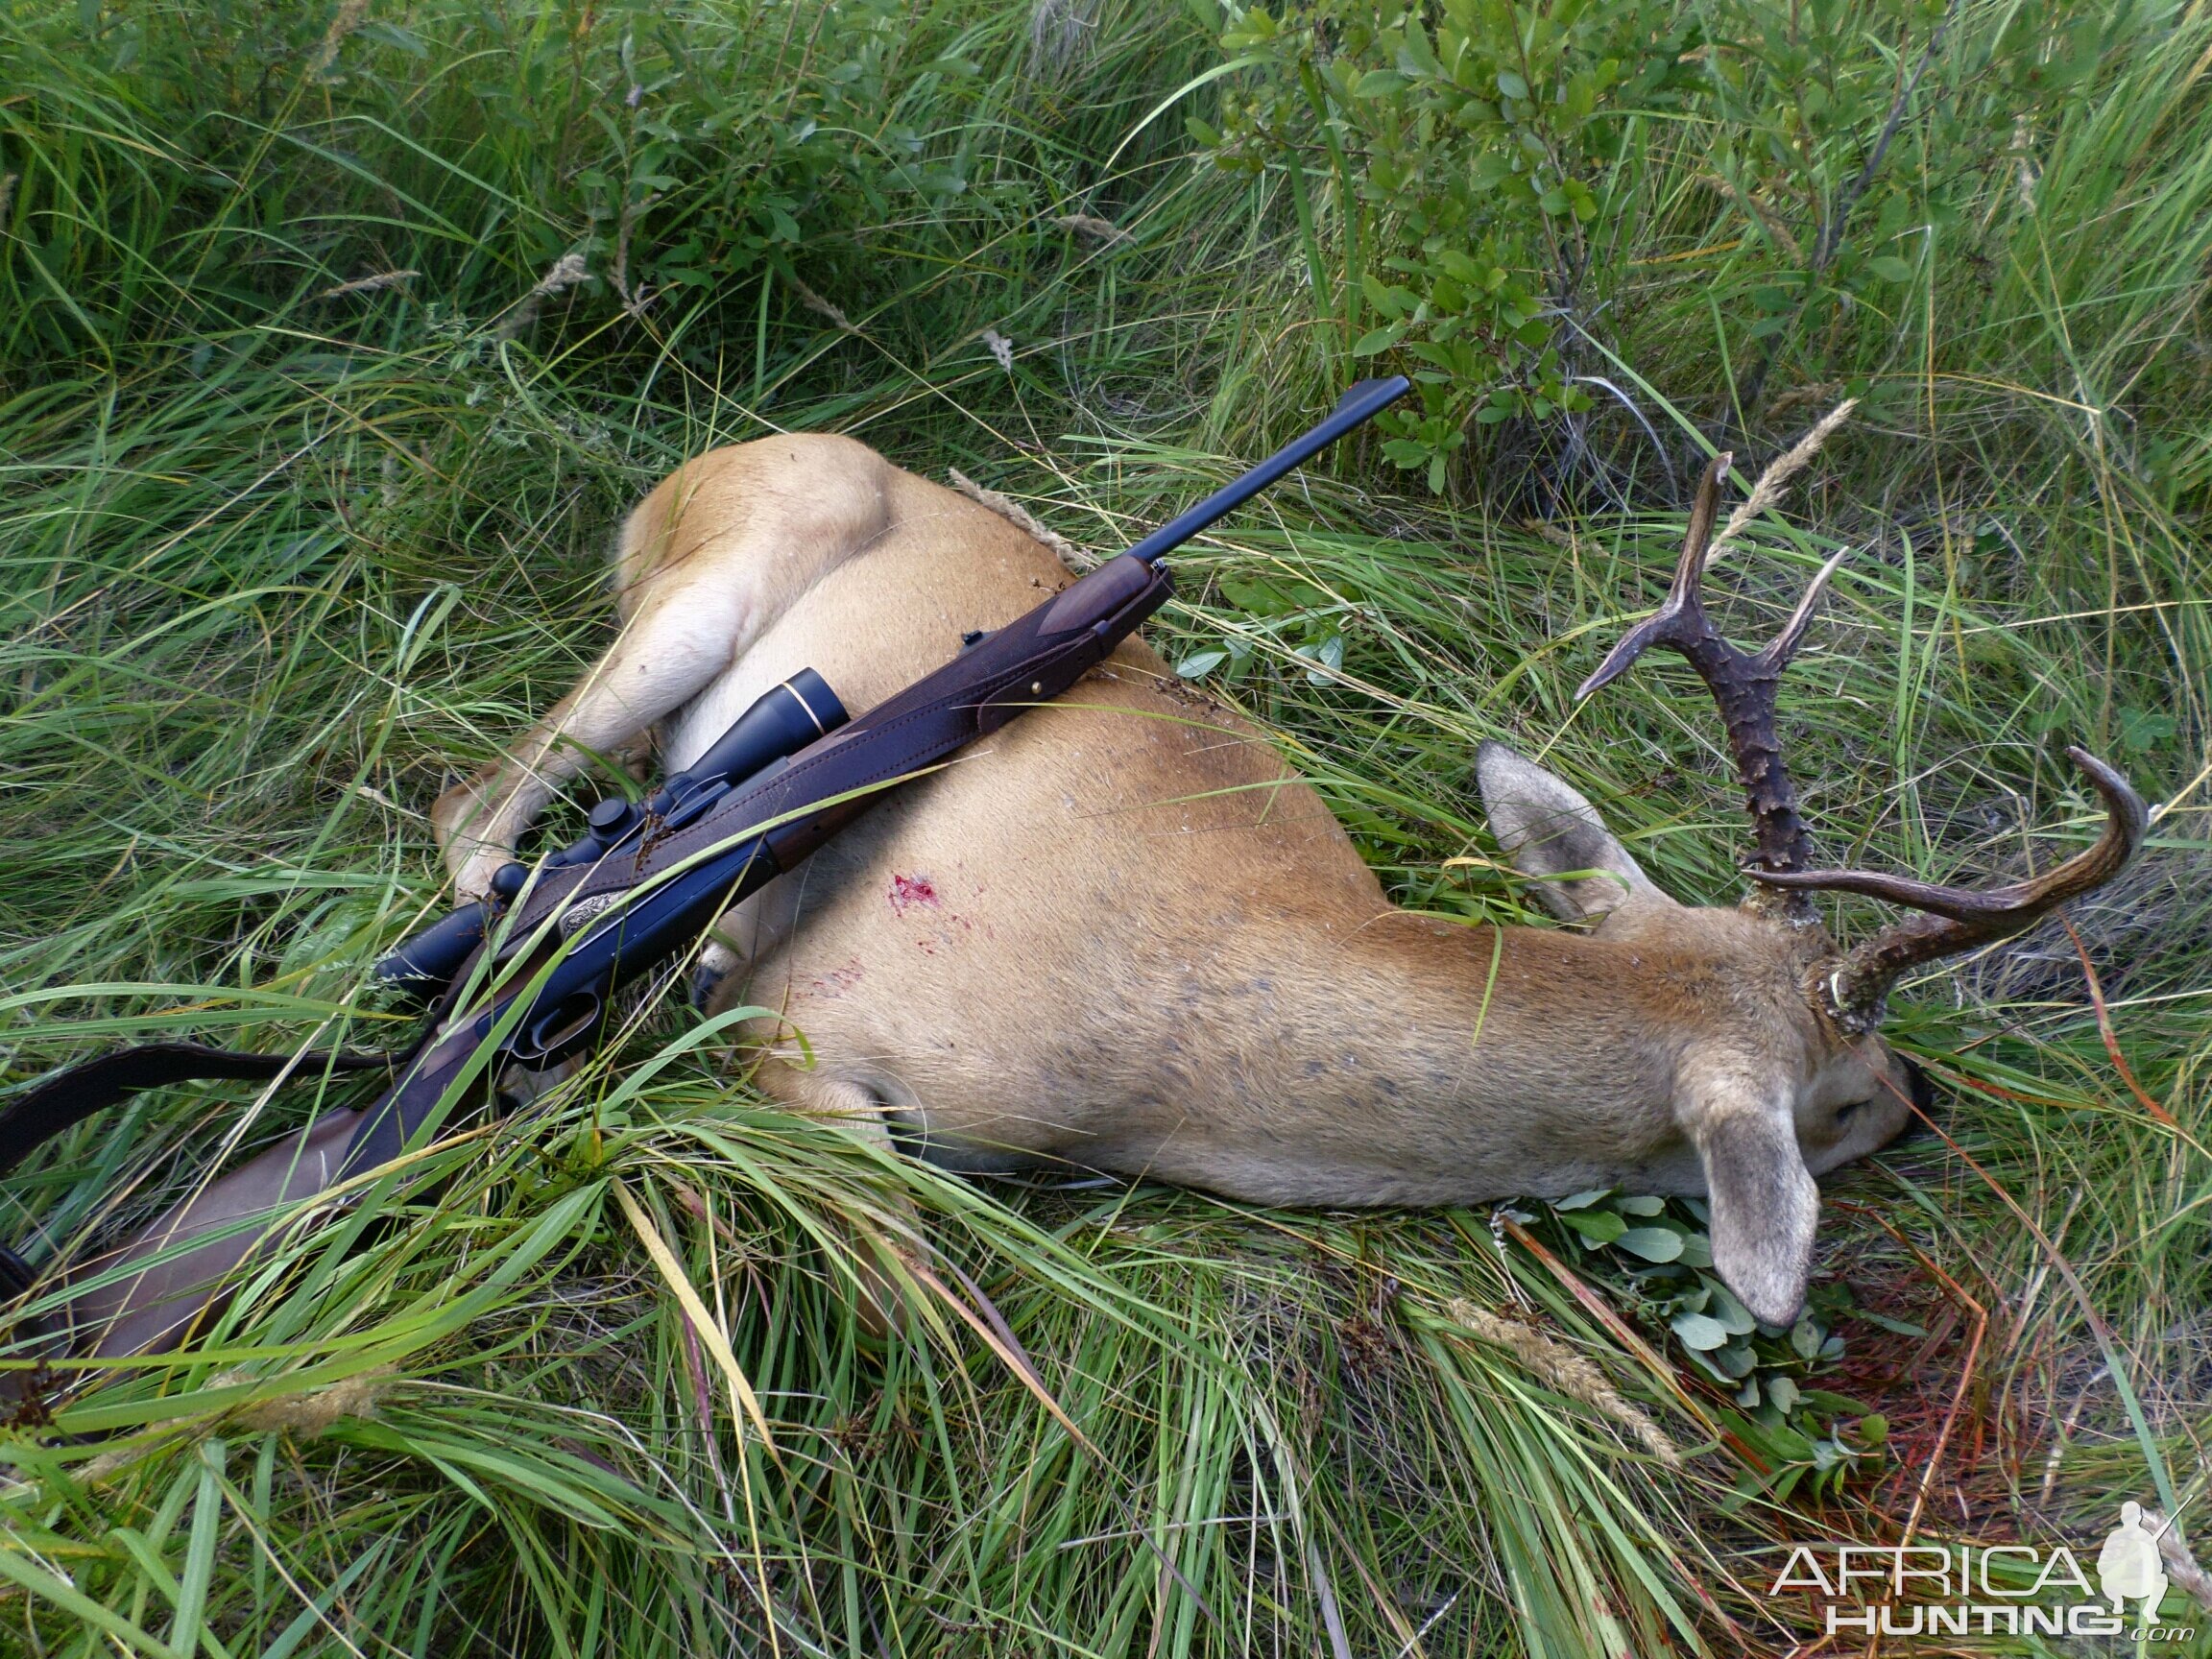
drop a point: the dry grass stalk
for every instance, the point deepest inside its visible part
(2182, 1569)
(632, 302)
(1062, 34)
(1011, 509)
(1767, 492)
(372, 285)
(822, 307)
(1778, 232)
(567, 272)
(1091, 226)
(351, 14)
(1562, 1370)
(306, 1416)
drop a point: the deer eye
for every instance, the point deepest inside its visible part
(1844, 1112)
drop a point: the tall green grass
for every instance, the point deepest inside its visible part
(291, 536)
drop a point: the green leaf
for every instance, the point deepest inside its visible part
(1792, 1444)
(1883, 1322)
(392, 35)
(1200, 664)
(1380, 83)
(1652, 1243)
(1511, 85)
(1580, 1200)
(1391, 302)
(2145, 728)
(1700, 1331)
(1417, 57)
(1836, 1404)
(1598, 1226)
(1377, 340)
(1330, 653)
(1805, 1340)
(1731, 1312)
(1891, 269)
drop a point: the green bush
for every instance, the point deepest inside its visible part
(1490, 192)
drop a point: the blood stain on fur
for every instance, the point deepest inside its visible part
(908, 891)
(839, 980)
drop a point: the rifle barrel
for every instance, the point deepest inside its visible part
(1355, 408)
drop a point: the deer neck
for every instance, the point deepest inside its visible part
(1406, 1059)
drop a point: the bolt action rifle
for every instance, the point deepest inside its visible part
(530, 974)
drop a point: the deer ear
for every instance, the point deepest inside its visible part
(1765, 1206)
(1553, 833)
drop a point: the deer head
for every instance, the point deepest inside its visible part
(1792, 1079)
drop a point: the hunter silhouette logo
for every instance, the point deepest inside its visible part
(2129, 1568)
(1988, 1590)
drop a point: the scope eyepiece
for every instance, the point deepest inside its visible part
(782, 722)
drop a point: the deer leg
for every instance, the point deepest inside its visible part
(706, 563)
(664, 658)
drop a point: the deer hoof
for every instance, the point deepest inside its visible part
(708, 975)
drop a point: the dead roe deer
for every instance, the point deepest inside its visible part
(1120, 935)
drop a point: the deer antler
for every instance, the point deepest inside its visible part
(1959, 918)
(1742, 684)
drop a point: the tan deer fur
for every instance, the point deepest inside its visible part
(1121, 936)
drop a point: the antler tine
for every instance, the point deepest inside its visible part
(1744, 685)
(1961, 918)
(1784, 646)
(1680, 619)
